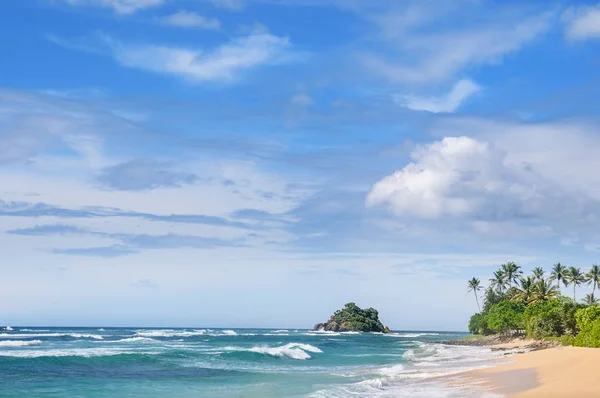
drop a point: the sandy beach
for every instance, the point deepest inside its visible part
(553, 372)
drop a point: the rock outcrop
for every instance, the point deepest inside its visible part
(352, 318)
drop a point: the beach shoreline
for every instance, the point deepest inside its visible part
(546, 371)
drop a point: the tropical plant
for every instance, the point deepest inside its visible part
(544, 319)
(558, 274)
(491, 297)
(576, 278)
(525, 291)
(478, 324)
(498, 282)
(474, 286)
(589, 336)
(538, 273)
(506, 317)
(569, 309)
(590, 299)
(543, 291)
(511, 272)
(585, 316)
(593, 277)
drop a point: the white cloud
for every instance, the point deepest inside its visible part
(582, 22)
(447, 103)
(119, 6)
(224, 63)
(233, 5)
(303, 100)
(188, 19)
(462, 177)
(423, 51)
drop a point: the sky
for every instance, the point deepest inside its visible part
(259, 163)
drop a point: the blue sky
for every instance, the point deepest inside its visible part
(244, 163)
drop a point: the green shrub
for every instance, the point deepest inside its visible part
(544, 319)
(589, 336)
(506, 317)
(569, 309)
(563, 340)
(478, 324)
(585, 316)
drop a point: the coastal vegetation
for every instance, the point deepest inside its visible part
(355, 319)
(532, 305)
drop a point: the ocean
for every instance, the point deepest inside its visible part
(181, 363)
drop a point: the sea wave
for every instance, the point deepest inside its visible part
(170, 333)
(184, 333)
(19, 343)
(282, 331)
(72, 352)
(74, 335)
(133, 340)
(290, 350)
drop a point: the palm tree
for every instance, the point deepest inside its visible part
(526, 290)
(512, 272)
(558, 274)
(544, 290)
(593, 277)
(576, 278)
(590, 299)
(538, 273)
(498, 282)
(475, 286)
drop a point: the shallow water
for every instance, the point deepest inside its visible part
(120, 362)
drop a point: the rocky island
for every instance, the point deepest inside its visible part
(355, 319)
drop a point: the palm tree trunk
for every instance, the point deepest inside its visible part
(477, 300)
(574, 299)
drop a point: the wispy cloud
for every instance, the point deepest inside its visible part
(582, 22)
(189, 19)
(423, 50)
(446, 103)
(119, 6)
(143, 174)
(222, 64)
(232, 5)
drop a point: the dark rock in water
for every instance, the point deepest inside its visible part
(352, 318)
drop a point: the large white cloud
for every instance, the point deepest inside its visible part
(461, 176)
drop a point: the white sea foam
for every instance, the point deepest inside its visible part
(282, 331)
(290, 350)
(71, 352)
(8, 329)
(19, 343)
(34, 330)
(170, 333)
(229, 333)
(276, 334)
(317, 333)
(133, 340)
(74, 335)
(101, 330)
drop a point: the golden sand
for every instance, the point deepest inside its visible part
(554, 372)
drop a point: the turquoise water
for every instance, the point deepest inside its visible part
(119, 362)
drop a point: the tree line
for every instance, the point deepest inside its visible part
(514, 304)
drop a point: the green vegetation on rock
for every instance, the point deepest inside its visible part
(353, 318)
